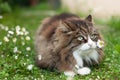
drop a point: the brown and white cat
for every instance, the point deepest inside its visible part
(69, 44)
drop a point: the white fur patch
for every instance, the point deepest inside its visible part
(84, 71)
(87, 52)
(69, 73)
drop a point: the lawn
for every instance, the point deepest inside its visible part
(17, 50)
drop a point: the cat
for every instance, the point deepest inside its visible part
(69, 44)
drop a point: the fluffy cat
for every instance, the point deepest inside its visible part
(69, 44)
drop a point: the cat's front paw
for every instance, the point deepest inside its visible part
(84, 71)
(69, 73)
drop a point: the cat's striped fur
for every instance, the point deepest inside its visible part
(57, 39)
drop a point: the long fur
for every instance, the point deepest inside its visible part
(56, 41)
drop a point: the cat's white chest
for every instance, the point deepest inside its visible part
(87, 55)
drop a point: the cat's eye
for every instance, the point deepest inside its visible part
(93, 36)
(80, 38)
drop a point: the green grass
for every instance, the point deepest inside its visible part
(16, 69)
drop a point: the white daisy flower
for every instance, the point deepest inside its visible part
(6, 28)
(18, 32)
(19, 52)
(1, 26)
(0, 43)
(16, 57)
(27, 38)
(15, 49)
(8, 35)
(23, 29)
(11, 32)
(1, 17)
(6, 39)
(21, 33)
(2, 56)
(24, 64)
(28, 48)
(76, 66)
(100, 44)
(29, 67)
(26, 55)
(23, 43)
(26, 33)
(39, 57)
(14, 40)
(17, 28)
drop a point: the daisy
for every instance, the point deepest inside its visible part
(100, 44)
(6, 28)
(14, 40)
(15, 49)
(28, 48)
(17, 28)
(6, 39)
(16, 57)
(23, 29)
(0, 43)
(39, 57)
(23, 43)
(1, 17)
(29, 67)
(11, 32)
(26, 32)
(27, 38)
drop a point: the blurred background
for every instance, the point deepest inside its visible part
(98, 8)
(17, 60)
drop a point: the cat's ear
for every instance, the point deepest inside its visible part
(89, 18)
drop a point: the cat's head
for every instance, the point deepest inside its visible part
(84, 34)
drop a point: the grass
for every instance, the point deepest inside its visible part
(16, 68)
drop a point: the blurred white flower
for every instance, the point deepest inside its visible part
(23, 29)
(18, 32)
(39, 57)
(21, 33)
(1, 17)
(19, 52)
(76, 66)
(100, 43)
(24, 63)
(29, 67)
(27, 38)
(23, 43)
(35, 79)
(15, 49)
(28, 48)
(8, 35)
(11, 32)
(1, 26)
(26, 32)
(6, 28)
(2, 56)
(26, 55)
(0, 43)
(14, 40)
(16, 57)
(17, 28)
(6, 39)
